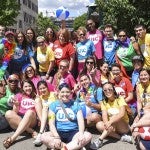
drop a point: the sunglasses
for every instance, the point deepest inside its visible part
(61, 66)
(28, 71)
(108, 90)
(122, 35)
(40, 42)
(89, 62)
(13, 81)
(49, 32)
(82, 34)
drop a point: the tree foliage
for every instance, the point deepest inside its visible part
(80, 21)
(43, 23)
(9, 10)
(125, 14)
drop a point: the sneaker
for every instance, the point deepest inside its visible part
(83, 148)
(126, 138)
(37, 141)
(96, 144)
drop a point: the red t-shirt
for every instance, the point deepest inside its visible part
(61, 52)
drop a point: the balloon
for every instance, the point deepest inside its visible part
(62, 13)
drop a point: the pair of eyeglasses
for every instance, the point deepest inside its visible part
(89, 62)
(108, 90)
(49, 32)
(61, 66)
(89, 24)
(13, 81)
(122, 35)
(40, 42)
(28, 71)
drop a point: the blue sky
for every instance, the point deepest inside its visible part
(75, 7)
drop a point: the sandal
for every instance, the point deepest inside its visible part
(7, 142)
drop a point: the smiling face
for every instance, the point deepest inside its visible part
(27, 88)
(41, 42)
(63, 67)
(89, 64)
(2, 31)
(108, 32)
(116, 72)
(144, 77)
(140, 32)
(43, 90)
(90, 25)
(2, 88)
(30, 72)
(49, 33)
(85, 81)
(30, 34)
(122, 36)
(20, 38)
(108, 91)
(64, 94)
(104, 68)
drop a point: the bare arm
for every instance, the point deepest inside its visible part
(32, 62)
(71, 64)
(129, 97)
(80, 121)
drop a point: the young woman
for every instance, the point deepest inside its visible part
(43, 100)
(143, 106)
(21, 55)
(84, 48)
(23, 116)
(45, 58)
(104, 69)
(90, 69)
(115, 119)
(66, 123)
(89, 97)
(63, 76)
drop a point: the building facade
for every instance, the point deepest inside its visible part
(27, 16)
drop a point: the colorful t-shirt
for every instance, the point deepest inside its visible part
(44, 58)
(61, 121)
(84, 49)
(109, 50)
(93, 94)
(61, 52)
(113, 107)
(145, 48)
(25, 103)
(125, 55)
(97, 38)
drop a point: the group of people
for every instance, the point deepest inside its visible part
(63, 82)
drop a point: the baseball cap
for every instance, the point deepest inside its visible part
(9, 32)
(137, 57)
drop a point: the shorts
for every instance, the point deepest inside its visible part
(3, 122)
(66, 137)
(146, 144)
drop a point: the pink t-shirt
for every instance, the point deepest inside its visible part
(35, 80)
(25, 103)
(67, 78)
(97, 38)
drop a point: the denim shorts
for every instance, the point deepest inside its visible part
(3, 122)
(146, 144)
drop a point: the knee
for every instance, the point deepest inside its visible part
(88, 137)
(100, 126)
(9, 114)
(30, 113)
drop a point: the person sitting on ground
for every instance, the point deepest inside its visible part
(115, 118)
(43, 100)
(89, 97)
(142, 120)
(66, 123)
(23, 116)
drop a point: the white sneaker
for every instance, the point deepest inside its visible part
(126, 138)
(37, 141)
(96, 144)
(83, 148)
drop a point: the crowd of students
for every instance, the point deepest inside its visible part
(63, 82)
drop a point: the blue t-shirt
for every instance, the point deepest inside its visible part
(85, 49)
(94, 94)
(135, 77)
(61, 121)
(109, 50)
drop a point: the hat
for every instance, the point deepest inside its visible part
(138, 57)
(24, 68)
(9, 32)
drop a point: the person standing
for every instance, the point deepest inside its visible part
(144, 41)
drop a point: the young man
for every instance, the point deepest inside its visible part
(144, 42)
(109, 45)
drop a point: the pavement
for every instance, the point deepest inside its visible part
(25, 142)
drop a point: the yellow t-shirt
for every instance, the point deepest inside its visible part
(113, 108)
(144, 96)
(44, 58)
(145, 48)
(47, 100)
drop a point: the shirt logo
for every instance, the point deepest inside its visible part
(58, 53)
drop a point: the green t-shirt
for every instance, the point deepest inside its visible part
(4, 101)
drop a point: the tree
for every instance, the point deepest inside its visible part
(80, 21)
(9, 10)
(43, 23)
(125, 14)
